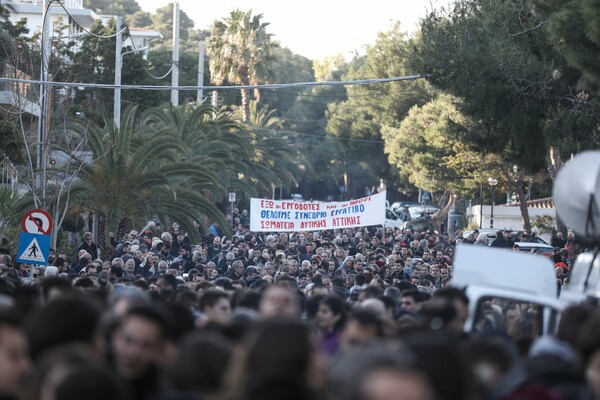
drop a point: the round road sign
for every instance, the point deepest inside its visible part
(37, 221)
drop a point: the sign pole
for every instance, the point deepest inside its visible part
(231, 203)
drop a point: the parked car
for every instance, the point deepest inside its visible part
(391, 219)
(296, 197)
(399, 205)
(491, 235)
(419, 225)
(536, 248)
(422, 211)
(583, 285)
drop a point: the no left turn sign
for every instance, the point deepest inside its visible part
(37, 221)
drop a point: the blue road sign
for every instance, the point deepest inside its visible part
(424, 196)
(33, 249)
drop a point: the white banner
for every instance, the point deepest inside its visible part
(291, 216)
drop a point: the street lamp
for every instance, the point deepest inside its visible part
(492, 182)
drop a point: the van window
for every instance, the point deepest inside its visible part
(508, 317)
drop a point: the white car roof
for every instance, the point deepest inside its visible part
(516, 272)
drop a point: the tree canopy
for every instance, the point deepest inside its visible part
(240, 52)
(112, 7)
(498, 58)
(574, 28)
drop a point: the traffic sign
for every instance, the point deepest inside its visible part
(424, 196)
(37, 222)
(33, 249)
(232, 197)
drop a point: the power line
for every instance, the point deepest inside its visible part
(219, 88)
(82, 27)
(135, 50)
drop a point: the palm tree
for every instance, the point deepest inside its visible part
(274, 160)
(212, 138)
(240, 51)
(138, 174)
(12, 206)
(247, 157)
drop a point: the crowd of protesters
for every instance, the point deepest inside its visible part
(357, 313)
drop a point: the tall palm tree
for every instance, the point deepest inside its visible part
(240, 51)
(138, 174)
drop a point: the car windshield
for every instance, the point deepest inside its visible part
(508, 317)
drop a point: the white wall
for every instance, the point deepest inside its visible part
(505, 216)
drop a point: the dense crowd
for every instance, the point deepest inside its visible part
(357, 313)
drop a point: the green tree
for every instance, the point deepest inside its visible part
(574, 28)
(11, 207)
(96, 59)
(140, 19)
(138, 174)
(212, 138)
(306, 123)
(497, 58)
(246, 157)
(481, 53)
(95, 62)
(357, 122)
(110, 7)
(240, 52)
(162, 21)
(12, 144)
(15, 46)
(274, 161)
(428, 153)
(289, 68)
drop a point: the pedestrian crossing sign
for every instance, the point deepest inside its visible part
(424, 196)
(33, 249)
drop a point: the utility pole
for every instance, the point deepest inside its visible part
(175, 73)
(492, 182)
(480, 205)
(200, 93)
(118, 68)
(40, 177)
(215, 99)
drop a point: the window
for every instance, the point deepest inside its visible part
(507, 316)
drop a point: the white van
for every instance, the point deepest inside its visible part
(583, 285)
(500, 283)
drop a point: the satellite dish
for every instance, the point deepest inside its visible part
(577, 194)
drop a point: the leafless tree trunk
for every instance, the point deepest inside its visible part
(517, 183)
(555, 163)
(446, 203)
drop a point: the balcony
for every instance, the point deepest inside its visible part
(66, 3)
(21, 96)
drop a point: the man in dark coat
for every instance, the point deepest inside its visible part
(88, 245)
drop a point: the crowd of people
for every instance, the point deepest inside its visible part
(358, 313)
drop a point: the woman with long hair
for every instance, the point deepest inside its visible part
(331, 317)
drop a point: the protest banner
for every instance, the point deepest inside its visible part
(292, 216)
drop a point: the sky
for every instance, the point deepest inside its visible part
(312, 28)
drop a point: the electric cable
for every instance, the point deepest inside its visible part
(215, 88)
(81, 26)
